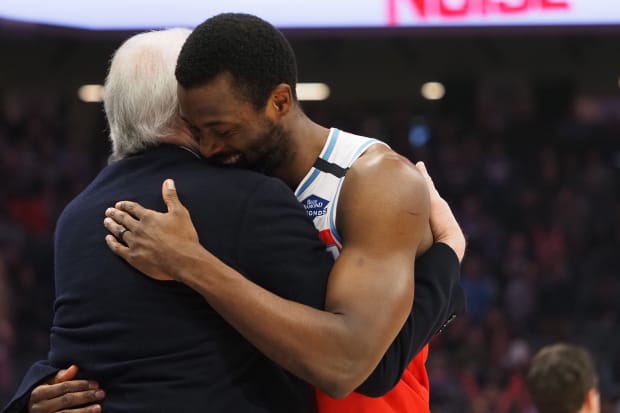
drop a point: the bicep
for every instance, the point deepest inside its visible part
(371, 291)
(382, 226)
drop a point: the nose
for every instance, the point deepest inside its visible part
(210, 147)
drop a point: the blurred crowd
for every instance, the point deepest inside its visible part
(43, 165)
(538, 199)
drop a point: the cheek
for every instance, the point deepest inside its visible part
(245, 138)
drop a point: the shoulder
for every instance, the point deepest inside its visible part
(383, 191)
(202, 177)
(235, 191)
(380, 172)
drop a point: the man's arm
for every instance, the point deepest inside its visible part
(370, 289)
(335, 353)
(439, 296)
(382, 218)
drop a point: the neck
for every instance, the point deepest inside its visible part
(307, 141)
(592, 403)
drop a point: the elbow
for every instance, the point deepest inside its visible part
(339, 388)
(342, 389)
(344, 377)
(336, 392)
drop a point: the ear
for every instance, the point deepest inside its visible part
(280, 102)
(592, 403)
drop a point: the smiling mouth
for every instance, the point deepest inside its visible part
(233, 159)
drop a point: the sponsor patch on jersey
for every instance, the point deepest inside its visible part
(315, 206)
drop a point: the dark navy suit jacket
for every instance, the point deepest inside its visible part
(157, 346)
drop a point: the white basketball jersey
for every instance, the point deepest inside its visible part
(319, 190)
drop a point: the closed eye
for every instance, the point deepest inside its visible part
(195, 132)
(223, 133)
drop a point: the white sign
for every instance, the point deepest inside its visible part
(149, 14)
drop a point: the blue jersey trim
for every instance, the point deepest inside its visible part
(330, 147)
(363, 148)
(332, 226)
(306, 184)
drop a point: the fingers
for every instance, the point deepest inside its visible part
(65, 402)
(115, 229)
(169, 194)
(444, 226)
(132, 208)
(429, 181)
(62, 396)
(122, 218)
(95, 408)
(66, 374)
(47, 392)
(116, 246)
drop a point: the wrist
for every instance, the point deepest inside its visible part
(203, 272)
(189, 262)
(456, 242)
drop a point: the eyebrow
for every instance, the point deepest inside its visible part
(213, 123)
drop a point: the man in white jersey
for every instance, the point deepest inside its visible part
(237, 79)
(319, 190)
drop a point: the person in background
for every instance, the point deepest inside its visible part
(562, 378)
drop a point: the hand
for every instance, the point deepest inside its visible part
(62, 392)
(154, 243)
(444, 226)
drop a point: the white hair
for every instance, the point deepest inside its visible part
(140, 99)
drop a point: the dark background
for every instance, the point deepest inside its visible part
(525, 147)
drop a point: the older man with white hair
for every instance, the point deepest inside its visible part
(145, 345)
(155, 345)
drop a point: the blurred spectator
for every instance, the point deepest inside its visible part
(41, 173)
(479, 287)
(6, 331)
(562, 379)
(538, 201)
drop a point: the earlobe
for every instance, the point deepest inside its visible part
(592, 403)
(281, 99)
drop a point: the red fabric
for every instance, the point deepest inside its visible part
(327, 238)
(410, 395)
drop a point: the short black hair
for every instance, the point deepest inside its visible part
(560, 377)
(255, 53)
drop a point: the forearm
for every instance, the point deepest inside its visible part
(323, 348)
(438, 297)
